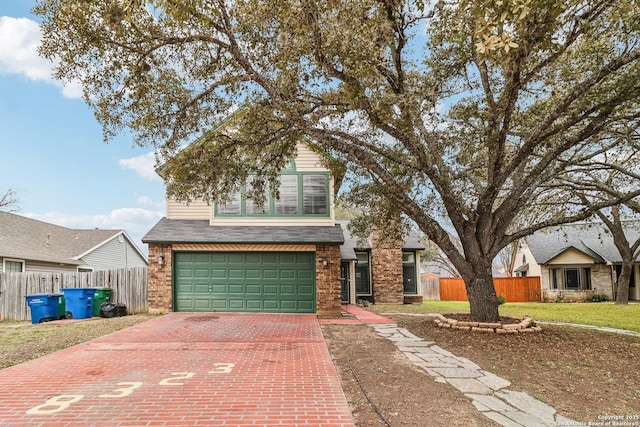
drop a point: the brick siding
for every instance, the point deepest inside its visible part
(327, 278)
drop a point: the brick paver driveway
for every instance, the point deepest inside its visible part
(184, 369)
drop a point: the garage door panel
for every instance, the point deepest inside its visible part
(235, 273)
(235, 257)
(305, 306)
(270, 289)
(287, 274)
(287, 289)
(237, 289)
(245, 281)
(218, 273)
(219, 304)
(253, 289)
(218, 289)
(254, 305)
(268, 274)
(201, 288)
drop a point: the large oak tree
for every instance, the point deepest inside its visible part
(460, 115)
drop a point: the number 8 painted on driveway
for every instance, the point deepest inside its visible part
(57, 403)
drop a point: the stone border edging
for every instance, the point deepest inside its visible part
(528, 325)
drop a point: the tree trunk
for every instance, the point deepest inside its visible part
(482, 295)
(622, 284)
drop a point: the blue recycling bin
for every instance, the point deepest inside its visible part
(44, 307)
(78, 302)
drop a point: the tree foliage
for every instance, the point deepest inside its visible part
(463, 116)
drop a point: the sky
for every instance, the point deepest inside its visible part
(52, 152)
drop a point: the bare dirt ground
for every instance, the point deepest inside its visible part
(403, 394)
(584, 374)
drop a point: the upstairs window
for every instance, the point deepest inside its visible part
(314, 191)
(299, 194)
(286, 200)
(232, 207)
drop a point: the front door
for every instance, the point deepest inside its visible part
(345, 283)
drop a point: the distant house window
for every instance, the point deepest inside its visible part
(571, 278)
(13, 266)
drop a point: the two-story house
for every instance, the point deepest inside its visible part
(288, 255)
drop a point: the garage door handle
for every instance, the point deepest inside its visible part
(210, 288)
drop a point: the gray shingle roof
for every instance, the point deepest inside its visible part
(26, 238)
(409, 242)
(199, 231)
(593, 240)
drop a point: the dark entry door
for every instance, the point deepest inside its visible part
(345, 283)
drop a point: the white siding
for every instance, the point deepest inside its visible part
(534, 268)
(571, 257)
(46, 267)
(114, 254)
(197, 209)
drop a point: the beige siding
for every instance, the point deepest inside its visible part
(194, 210)
(45, 267)
(307, 160)
(571, 256)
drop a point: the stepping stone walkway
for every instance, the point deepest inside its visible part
(489, 393)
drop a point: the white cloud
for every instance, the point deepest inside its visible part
(135, 221)
(19, 41)
(143, 165)
(147, 201)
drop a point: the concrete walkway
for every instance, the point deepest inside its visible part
(489, 393)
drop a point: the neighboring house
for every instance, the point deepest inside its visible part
(575, 262)
(29, 245)
(290, 255)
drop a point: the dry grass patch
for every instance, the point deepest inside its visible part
(23, 341)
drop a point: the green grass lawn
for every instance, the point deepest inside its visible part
(597, 314)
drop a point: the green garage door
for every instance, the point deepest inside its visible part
(276, 282)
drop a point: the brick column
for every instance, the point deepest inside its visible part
(386, 270)
(160, 295)
(328, 281)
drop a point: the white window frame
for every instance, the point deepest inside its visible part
(4, 263)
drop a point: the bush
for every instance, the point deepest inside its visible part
(501, 299)
(600, 298)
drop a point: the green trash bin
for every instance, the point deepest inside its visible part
(62, 311)
(101, 296)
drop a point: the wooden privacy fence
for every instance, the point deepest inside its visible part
(514, 289)
(129, 286)
(431, 289)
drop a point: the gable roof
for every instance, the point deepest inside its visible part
(592, 240)
(26, 238)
